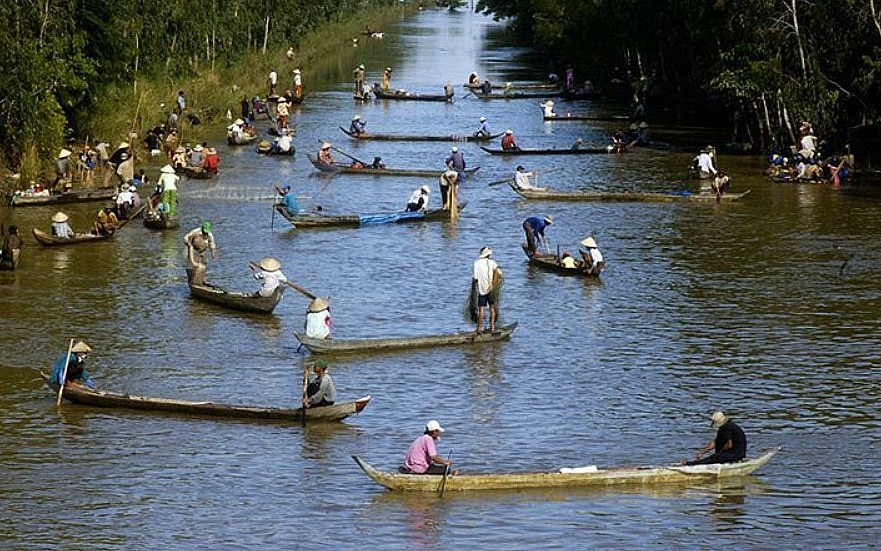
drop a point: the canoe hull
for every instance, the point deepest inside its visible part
(48, 240)
(367, 171)
(81, 196)
(404, 138)
(313, 220)
(156, 221)
(243, 302)
(551, 263)
(626, 196)
(609, 478)
(410, 96)
(99, 398)
(582, 151)
(341, 346)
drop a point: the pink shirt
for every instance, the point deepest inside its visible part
(419, 454)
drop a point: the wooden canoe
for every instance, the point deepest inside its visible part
(346, 169)
(517, 86)
(243, 302)
(100, 398)
(551, 93)
(199, 174)
(626, 196)
(551, 262)
(157, 221)
(244, 140)
(410, 96)
(412, 138)
(341, 346)
(48, 240)
(608, 478)
(317, 220)
(77, 196)
(551, 151)
(265, 148)
(577, 117)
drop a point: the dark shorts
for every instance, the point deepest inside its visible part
(485, 300)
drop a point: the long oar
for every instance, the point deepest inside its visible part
(133, 215)
(305, 386)
(499, 182)
(64, 375)
(341, 152)
(446, 473)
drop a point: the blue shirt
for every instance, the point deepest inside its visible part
(290, 203)
(538, 225)
(58, 369)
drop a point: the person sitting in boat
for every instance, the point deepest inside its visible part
(283, 143)
(237, 130)
(199, 242)
(288, 199)
(729, 446)
(377, 164)
(521, 178)
(567, 261)
(448, 181)
(592, 257)
(270, 274)
(10, 252)
(721, 183)
(387, 79)
(318, 320)
(167, 189)
(473, 80)
(76, 367)
(320, 391)
(534, 228)
(618, 144)
(483, 130)
(60, 227)
(179, 160)
(449, 92)
(508, 141)
(486, 88)
(422, 457)
(195, 159)
(125, 201)
(358, 126)
(548, 108)
(508, 90)
(325, 156)
(106, 221)
(418, 201)
(358, 74)
(703, 164)
(578, 144)
(456, 161)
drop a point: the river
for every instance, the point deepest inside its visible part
(748, 307)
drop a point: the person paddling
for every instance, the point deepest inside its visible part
(729, 446)
(75, 363)
(320, 392)
(422, 457)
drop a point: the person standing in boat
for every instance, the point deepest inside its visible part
(269, 273)
(486, 277)
(456, 161)
(320, 391)
(288, 199)
(508, 141)
(318, 320)
(199, 242)
(359, 81)
(358, 125)
(534, 228)
(418, 201)
(729, 446)
(449, 92)
(325, 156)
(703, 164)
(720, 185)
(387, 79)
(483, 130)
(76, 367)
(448, 182)
(592, 257)
(298, 84)
(60, 227)
(282, 111)
(422, 457)
(167, 189)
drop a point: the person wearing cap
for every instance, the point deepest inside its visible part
(76, 367)
(269, 273)
(456, 161)
(320, 391)
(508, 141)
(703, 164)
(325, 156)
(211, 162)
(288, 199)
(60, 227)
(10, 252)
(358, 125)
(298, 84)
(449, 181)
(592, 257)
(486, 278)
(167, 189)
(199, 242)
(521, 178)
(483, 130)
(548, 107)
(359, 81)
(534, 228)
(418, 201)
(318, 319)
(387, 79)
(422, 457)
(282, 110)
(105, 221)
(729, 446)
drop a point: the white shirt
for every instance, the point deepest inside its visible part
(168, 181)
(705, 163)
(273, 77)
(284, 143)
(237, 130)
(595, 255)
(297, 80)
(483, 273)
(125, 197)
(521, 180)
(549, 111)
(271, 281)
(808, 146)
(317, 325)
(416, 195)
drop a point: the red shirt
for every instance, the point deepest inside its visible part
(211, 163)
(508, 142)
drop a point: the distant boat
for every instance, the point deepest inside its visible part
(420, 138)
(332, 346)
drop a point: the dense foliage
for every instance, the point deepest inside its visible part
(772, 62)
(58, 54)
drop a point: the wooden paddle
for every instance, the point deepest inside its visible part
(341, 152)
(499, 182)
(305, 386)
(64, 375)
(446, 473)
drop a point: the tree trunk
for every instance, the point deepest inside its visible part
(801, 49)
(266, 35)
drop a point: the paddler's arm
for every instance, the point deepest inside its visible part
(706, 449)
(441, 460)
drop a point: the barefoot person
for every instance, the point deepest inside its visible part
(486, 277)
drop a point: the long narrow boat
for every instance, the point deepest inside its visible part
(317, 220)
(410, 96)
(243, 302)
(48, 240)
(608, 478)
(551, 262)
(518, 95)
(626, 196)
(200, 174)
(78, 196)
(578, 117)
(550, 151)
(346, 169)
(101, 398)
(245, 139)
(265, 148)
(339, 346)
(517, 86)
(157, 221)
(412, 138)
